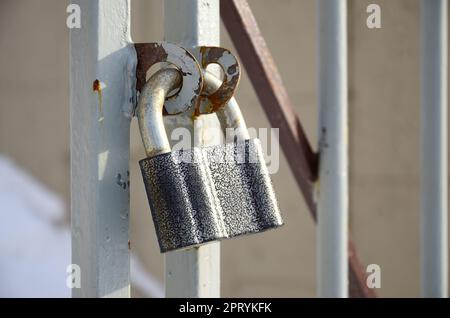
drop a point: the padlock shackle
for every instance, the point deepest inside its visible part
(151, 103)
(150, 110)
(229, 116)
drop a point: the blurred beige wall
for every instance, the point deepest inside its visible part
(384, 135)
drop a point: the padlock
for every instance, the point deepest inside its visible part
(202, 199)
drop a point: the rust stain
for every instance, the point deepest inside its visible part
(148, 54)
(225, 92)
(197, 112)
(195, 115)
(211, 54)
(97, 87)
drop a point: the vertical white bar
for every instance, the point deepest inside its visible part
(100, 122)
(194, 272)
(332, 234)
(434, 149)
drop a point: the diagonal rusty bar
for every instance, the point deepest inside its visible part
(249, 42)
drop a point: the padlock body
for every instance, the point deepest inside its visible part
(208, 194)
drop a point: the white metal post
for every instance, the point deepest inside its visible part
(101, 91)
(194, 272)
(332, 253)
(434, 149)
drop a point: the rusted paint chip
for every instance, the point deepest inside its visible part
(148, 54)
(97, 87)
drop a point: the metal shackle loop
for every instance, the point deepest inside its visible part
(219, 97)
(230, 116)
(150, 110)
(151, 104)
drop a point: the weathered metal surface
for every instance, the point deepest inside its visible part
(149, 54)
(209, 195)
(230, 66)
(245, 34)
(229, 116)
(150, 109)
(102, 64)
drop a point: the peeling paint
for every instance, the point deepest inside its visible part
(124, 184)
(102, 161)
(230, 66)
(149, 54)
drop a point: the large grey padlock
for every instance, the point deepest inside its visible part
(201, 194)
